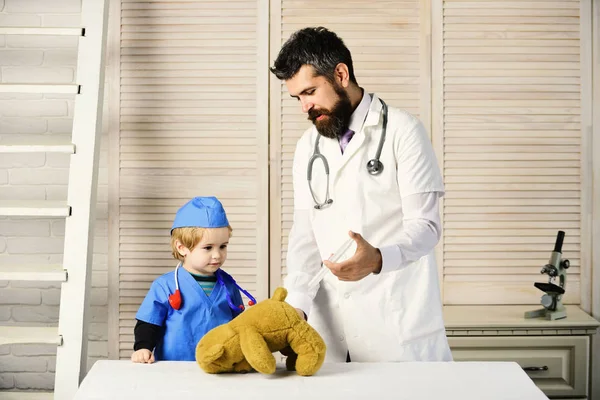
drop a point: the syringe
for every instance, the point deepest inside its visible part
(333, 258)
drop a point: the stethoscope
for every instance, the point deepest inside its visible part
(374, 166)
(175, 298)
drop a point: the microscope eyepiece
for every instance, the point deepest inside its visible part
(559, 241)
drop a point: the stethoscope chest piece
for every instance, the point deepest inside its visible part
(374, 167)
(175, 300)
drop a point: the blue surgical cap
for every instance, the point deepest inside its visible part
(201, 212)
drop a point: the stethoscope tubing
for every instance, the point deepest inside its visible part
(222, 283)
(374, 166)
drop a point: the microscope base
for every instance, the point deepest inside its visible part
(549, 315)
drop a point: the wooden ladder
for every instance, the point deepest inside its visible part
(79, 210)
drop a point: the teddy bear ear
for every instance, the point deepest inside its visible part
(213, 353)
(280, 294)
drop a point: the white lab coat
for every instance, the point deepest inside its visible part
(392, 316)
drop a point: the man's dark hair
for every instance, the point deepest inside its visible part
(318, 47)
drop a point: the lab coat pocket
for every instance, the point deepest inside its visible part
(433, 347)
(326, 319)
(415, 309)
(406, 316)
(396, 301)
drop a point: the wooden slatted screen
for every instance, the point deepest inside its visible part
(386, 44)
(190, 126)
(511, 147)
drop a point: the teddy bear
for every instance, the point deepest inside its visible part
(247, 342)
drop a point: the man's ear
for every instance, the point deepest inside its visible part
(342, 75)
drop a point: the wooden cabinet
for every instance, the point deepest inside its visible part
(554, 354)
(558, 365)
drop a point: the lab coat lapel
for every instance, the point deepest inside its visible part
(331, 150)
(351, 149)
(371, 122)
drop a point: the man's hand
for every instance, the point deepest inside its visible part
(366, 260)
(301, 313)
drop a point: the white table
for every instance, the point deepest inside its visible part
(115, 380)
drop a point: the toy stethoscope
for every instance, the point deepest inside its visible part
(374, 166)
(175, 298)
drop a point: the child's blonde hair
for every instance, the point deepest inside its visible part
(189, 237)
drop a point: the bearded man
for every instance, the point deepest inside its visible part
(367, 171)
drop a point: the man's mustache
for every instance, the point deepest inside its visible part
(314, 114)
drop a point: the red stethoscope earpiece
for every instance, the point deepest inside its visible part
(175, 300)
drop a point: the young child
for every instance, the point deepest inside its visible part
(183, 305)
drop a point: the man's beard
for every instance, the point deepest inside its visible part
(335, 122)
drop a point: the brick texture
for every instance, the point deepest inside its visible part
(21, 57)
(42, 6)
(42, 59)
(37, 75)
(20, 19)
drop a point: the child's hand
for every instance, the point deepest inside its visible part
(143, 356)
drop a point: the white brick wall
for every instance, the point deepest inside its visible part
(40, 59)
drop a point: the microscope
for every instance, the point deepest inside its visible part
(552, 299)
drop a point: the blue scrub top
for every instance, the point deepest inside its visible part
(197, 315)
